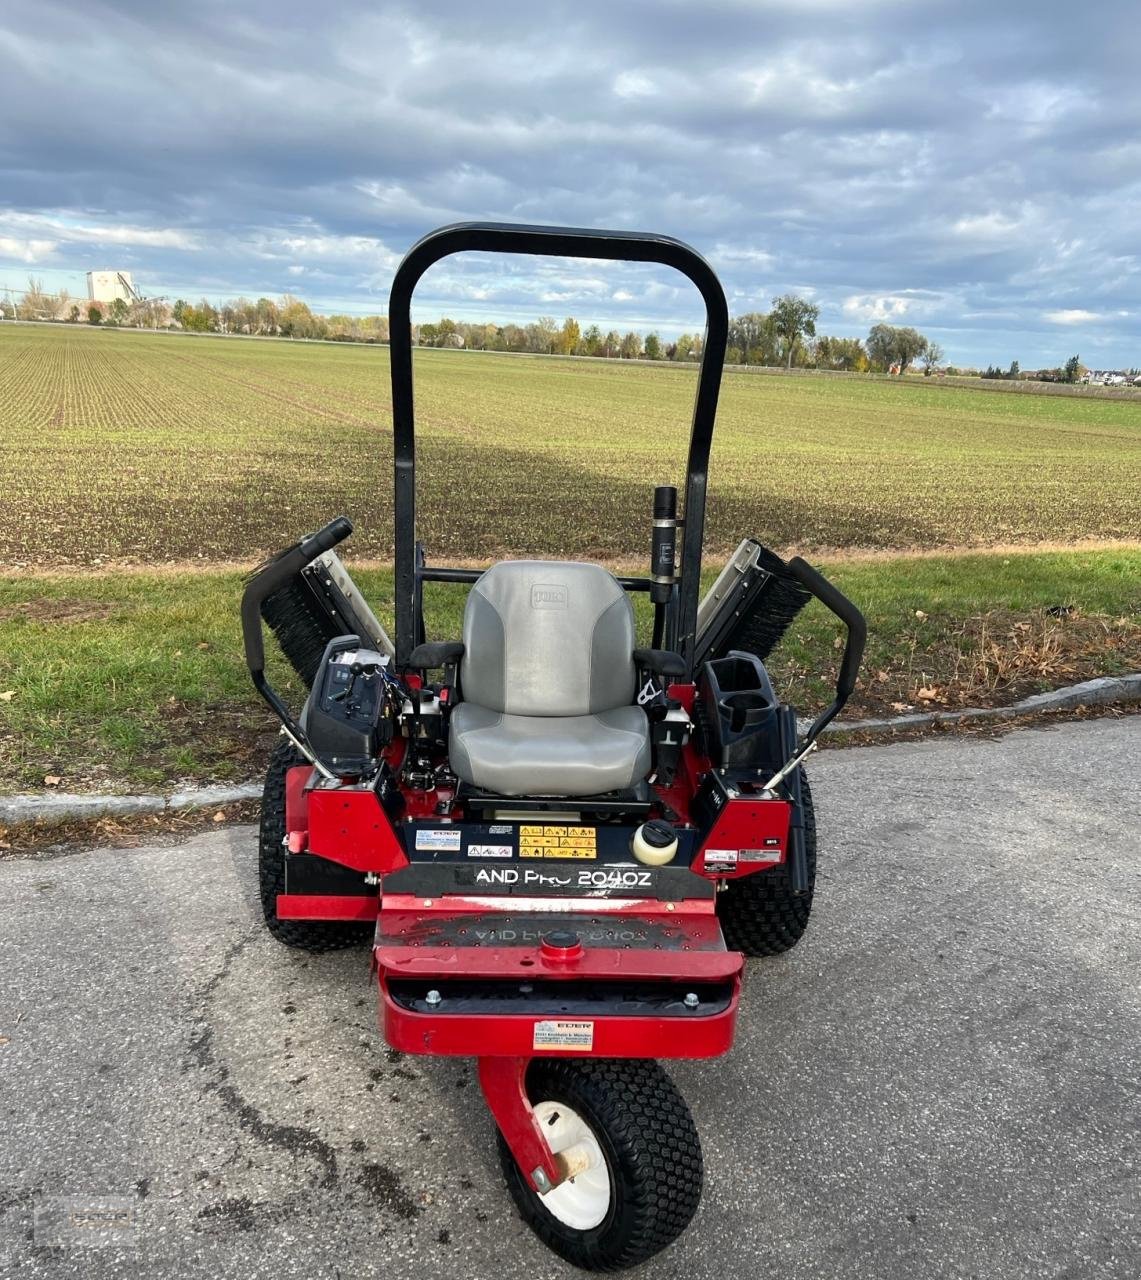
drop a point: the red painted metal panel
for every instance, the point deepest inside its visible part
(326, 906)
(514, 1035)
(349, 826)
(297, 806)
(522, 962)
(751, 835)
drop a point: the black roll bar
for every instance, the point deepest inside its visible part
(569, 242)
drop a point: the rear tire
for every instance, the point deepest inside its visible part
(760, 915)
(309, 935)
(646, 1186)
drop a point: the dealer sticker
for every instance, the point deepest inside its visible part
(563, 1035)
(489, 851)
(451, 841)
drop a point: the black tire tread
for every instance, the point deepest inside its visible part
(309, 935)
(636, 1109)
(760, 915)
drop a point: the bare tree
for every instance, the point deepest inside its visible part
(34, 304)
(933, 357)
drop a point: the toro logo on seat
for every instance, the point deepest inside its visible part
(548, 596)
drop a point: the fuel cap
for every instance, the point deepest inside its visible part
(560, 945)
(655, 843)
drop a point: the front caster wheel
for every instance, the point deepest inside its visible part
(632, 1136)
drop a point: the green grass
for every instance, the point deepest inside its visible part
(137, 677)
(156, 448)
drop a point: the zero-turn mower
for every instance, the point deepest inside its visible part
(563, 846)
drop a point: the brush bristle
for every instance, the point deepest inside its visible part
(769, 613)
(302, 628)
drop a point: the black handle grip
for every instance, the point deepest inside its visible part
(275, 575)
(846, 611)
(316, 544)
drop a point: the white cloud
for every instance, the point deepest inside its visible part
(1072, 315)
(634, 84)
(622, 295)
(25, 250)
(987, 226)
(866, 306)
(65, 228)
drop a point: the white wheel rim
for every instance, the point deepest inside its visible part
(583, 1201)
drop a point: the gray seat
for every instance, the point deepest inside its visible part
(548, 681)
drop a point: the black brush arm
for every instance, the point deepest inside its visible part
(853, 620)
(272, 577)
(275, 575)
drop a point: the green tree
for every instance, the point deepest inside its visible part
(94, 314)
(653, 347)
(612, 344)
(1073, 369)
(592, 341)
(888, 346)
(117, 312)
(754, 337)
(840, 353)
(794, 318)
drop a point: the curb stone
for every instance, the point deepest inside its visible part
(28, 808)
(25, 808)
(1089, 693)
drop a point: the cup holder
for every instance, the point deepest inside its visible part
(742, 718)
(746, 710)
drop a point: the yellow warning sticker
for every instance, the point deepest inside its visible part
(557, 842)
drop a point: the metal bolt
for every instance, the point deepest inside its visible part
(433, 998)
(541, 1181)
(691, 1001)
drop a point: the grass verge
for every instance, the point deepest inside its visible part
(135, 680)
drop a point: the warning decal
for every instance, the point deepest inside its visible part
(557, 842)
(563, 1035)
(489, 851)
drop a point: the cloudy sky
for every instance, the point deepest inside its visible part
(971, 168)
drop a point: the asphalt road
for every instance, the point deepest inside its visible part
(941, 1081)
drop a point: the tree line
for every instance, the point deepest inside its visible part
(785, 335)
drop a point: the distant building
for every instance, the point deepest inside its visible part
(106, 286)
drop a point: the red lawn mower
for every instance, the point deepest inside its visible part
(561, 845)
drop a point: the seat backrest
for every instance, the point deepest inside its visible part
(548, 638)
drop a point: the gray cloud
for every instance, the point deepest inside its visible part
(970, 168)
